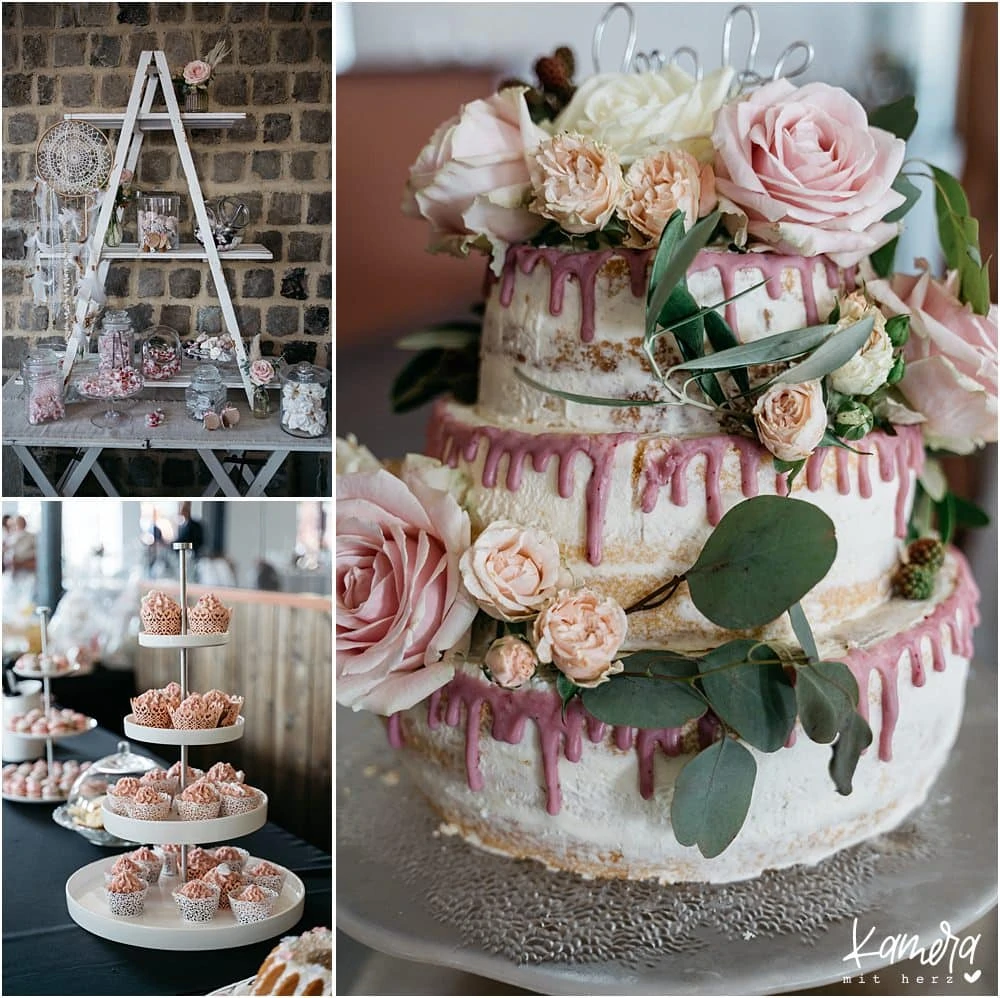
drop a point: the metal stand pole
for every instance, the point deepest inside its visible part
(182, 548)
(43, 624)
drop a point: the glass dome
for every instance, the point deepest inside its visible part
(86, 796)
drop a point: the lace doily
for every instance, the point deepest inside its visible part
(74, 158)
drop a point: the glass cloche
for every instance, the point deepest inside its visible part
(83, 807)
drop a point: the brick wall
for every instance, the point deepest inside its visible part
(80, 57)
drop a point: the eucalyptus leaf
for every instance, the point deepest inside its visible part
(748, 689)
(903, 185)
(826, 693)
(968, 514)
(654, 692)
(946, 517)
(682, 316)
(447, 337)
(566, 689)
(803, 632)
(712, 796)
(586, 399)
(790, 468)
(855, 736)
(765, 554)
(721, 337)
(829, 355)
(899, 117)
(769, 350)
(883, 259)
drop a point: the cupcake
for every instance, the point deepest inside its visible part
(195, 713)
(174, 773)
(160, 614)
(149, 863)
(238, 798)
(197, 901)
(234, 857)
(252, 904)
(227, 880)
(198, 802)
(266, 875)
(159, 779)
(199, 862)
(223, 772)
(126, 894)
(121, 793)
(149, 805)
(172, 694)
(123, 864)
(208, 616)
(151, 710)
(229, 707)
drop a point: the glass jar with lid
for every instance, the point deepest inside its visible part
(158, 219)
(116, 341)
(161, 353)
(305, 400)
(41, 371)
(206, 393)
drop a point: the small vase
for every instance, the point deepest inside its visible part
(261, 407)
(115, 232)
(196, 100)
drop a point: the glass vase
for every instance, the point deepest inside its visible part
(116, 231)
(261, 406)
(196, 100)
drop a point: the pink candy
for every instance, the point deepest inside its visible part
(156, 417)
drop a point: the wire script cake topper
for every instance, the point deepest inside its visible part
(745, 79)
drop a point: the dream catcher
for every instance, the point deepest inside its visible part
(73, 164)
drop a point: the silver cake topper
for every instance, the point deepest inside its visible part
(745, 79)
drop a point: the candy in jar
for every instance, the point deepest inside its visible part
(305, 400)
(43, 387)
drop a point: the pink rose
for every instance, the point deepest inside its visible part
(806, 172)
(400, 601)
(510, 570)
(577, 182)
(580, 633)
(951, 359)
(471, 180)
(261, 372)
(511, 662)
(197, 73)
(791, 419)
(659, 185)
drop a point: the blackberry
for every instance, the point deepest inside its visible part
(913, 582)
(928, 552)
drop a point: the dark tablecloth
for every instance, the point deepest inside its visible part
(46, 953)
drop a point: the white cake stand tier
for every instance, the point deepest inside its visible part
(182, 640)
(160, 925)
(183, 736)
(27, 736)
(175, 829)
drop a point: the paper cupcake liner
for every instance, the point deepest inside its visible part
(150, 718)
(128, 905)
(193, 811)
(201, 622)
(269, 881)
(252, 911)
(239, 805)
(149, 812)
(231, 712)
(118, 805)
(197, 909)
(160, 623)
(149, 870)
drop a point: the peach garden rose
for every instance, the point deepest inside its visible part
(511, 662)
(667, 181)
(791, 419)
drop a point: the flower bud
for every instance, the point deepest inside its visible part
(897, 371)
(511, 662)
(853, 420)
(898, 330)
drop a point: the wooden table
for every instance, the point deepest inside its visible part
(223, 452)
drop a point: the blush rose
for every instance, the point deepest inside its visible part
(197, 73)
(511, 662)
(667, 181)
(800, 169)
(400, 602)
(791, 419)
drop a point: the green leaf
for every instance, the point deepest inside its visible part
(803, 632)
(721, 338)
(656, 691)
(946, 518)
(899, 117)
(826, 693)
(765, 554)
(586, 399)
(449, 336)
(769, 350)
(566, 689)
(791, 467)
(673, 231)
(829, 355)
(903, 185)
(437, 372)
(959, 235)
(968, 514)
(712, 796)
(680, 315)
(747, 687)
(855, 736)
(883, 259)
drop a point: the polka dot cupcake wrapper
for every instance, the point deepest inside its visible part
(149, 812)
(128, 905)
(253, 911)
(118, 805)
(270, 881)
(239, 805)
(197, 909)
(193, 811)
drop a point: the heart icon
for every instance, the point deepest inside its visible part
(972, 978)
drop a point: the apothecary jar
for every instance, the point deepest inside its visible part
(161, 353)
(305, 400)
(116, 341)
(206, 393)
(158, 218)
(41, 372)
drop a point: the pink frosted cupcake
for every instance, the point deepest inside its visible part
(149, 805)
(123, 864)
(198, 802)
(126, 894)
(238, 798)
(149, 863)
(197, 901)
(196, 713)
(223, 772)
(172, 693)
(252, 904)
(230, 707)
(228, 881)
(151, 710)
(199, 862)
(121, 793)
(234, 857)
(174, 772)
(160, 614)
(266, 875)
(159, 780)
(208, 616)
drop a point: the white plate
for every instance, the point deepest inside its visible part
(183, 736)
(91, 724)
(75, 669)
(160, 926)
(97, 836)
(239, 988)
(34, 800)
(191, 832)
(182, 640)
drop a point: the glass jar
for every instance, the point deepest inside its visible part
(116, 341)
(158, 217)
(305, 400)
(161, 353)
(43, 386)
(196, 100)
(261, 404)
(206, 393)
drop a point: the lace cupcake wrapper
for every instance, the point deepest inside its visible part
(129, 905)
(195, 811)
(239, 805)
(160, 622)
(198, 909)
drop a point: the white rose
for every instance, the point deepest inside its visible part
(511, 571)
(353, 457)
(791, 419)
(511, 661)
(638, 113)
(870, 366)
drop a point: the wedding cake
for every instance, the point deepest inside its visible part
(679, 551)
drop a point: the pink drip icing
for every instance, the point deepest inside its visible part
(562, 732)
(583, 266)
(396, 737)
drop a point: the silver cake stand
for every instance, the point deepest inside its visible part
(412, 893)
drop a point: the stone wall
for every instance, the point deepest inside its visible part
(81, 57)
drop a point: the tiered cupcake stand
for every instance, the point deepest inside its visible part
(160, 925)
(46, 674)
